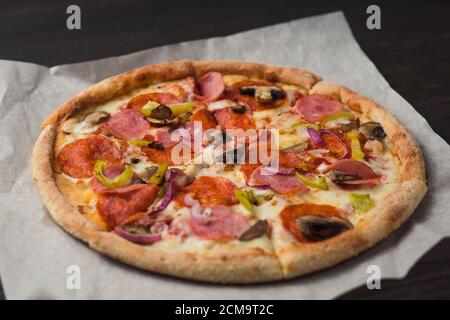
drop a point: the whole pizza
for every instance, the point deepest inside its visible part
(226, 171)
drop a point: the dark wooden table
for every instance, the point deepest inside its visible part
(412, 51)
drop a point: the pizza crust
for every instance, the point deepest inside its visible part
(243, 265)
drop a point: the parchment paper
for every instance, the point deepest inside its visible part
(35, 253)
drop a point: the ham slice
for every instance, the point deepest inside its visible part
(277, 182)
(357, 168)
(127, 124)
(210, 87)
(220, 222)
(316, 107)
(165, 138)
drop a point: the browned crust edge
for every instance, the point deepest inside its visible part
(246, 265)
(383, 220)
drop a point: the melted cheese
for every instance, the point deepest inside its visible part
(292, 133)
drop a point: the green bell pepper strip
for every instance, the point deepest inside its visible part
(177, 108)
(310, 125)
(361, 202)
(357, 152)
(244, 199)
(116, 182)
(162, 191)
(335, 116)
(147, 109)
(158, 176)
(317, 182)
(139, 142)
(305, 166)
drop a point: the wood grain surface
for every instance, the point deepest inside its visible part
(412, 51)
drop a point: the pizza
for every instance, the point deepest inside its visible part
(226, 171)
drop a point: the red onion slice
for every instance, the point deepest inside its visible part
(197, 212)
(315, 136)
(137, 238)
(180, 179)
(261, 186)
(166, 199)
(189, 201)
(177, 179)
(200, 215)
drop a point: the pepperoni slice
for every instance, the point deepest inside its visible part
(127, 124)
(248, 169)
(354, 167)
(288, 159)
(116, 207)
(335, 144)
(228, 119)
(223, 224)
(205, 117)
(277, 182)
(290, 213)
(139, 101)
(159, 156)
(165, 155)
(213, 191)
(210, 87)
(78, 158)
(316, 107)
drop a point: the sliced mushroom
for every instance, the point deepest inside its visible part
(339, 176)
(238, 109)
(372, 130)
(148, 173)
(263, 94)
(277, 94)
(350, 125)
(162, 112)
(247, 91)
(156, 145)
(161, 123)
(162, 116)
(317, 228)
(257, 230)
(96, 117)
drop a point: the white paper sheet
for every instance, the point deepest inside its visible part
(35, 252)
